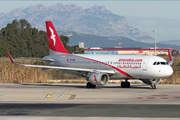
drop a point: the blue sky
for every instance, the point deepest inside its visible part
(150, 9)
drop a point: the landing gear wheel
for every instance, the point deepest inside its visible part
(94, 86)
(123, 84)
(127, 84)
(89, 85)
(153, 86)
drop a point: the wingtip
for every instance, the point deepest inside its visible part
(10, 57)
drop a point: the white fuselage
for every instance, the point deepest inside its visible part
(125, 66)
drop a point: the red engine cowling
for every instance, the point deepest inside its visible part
(98, 78)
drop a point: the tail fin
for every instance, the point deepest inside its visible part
(170, 58)
(55, 44)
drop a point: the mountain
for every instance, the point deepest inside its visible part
(95, 20)
(171, 42)
(109, 42)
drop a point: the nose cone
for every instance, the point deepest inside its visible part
(169, 71)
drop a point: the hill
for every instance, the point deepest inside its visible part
(171, 42)
(95, 20)
(103, 41)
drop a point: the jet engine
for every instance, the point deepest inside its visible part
(98, 78)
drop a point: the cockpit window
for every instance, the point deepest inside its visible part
(163, 63)
(158, 63)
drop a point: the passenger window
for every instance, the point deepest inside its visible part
(154, 63)
(158, 63)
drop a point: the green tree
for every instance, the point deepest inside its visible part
(65, 40)
(21, 40)
(71, 49)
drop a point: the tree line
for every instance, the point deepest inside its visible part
(24, 41)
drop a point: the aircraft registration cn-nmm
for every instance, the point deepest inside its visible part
(98, 69)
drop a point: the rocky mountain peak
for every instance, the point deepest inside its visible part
(98, 9)
(62, 8)
(36, 8)
(95, 20)
(17, 12)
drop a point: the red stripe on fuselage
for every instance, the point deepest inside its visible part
(124, 73)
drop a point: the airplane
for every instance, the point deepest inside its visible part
(99, 68)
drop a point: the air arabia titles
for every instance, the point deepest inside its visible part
(130, 63)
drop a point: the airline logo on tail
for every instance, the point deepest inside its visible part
(55, 44)
(52, 35)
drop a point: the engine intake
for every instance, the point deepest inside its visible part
(98, 78)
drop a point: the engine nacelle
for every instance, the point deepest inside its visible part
(98, 78)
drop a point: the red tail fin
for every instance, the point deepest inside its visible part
(55, 44)
(170, 58)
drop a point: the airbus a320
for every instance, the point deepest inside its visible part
(99, 69)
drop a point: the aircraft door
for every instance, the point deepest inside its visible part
(144, 64)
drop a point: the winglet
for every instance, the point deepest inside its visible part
(170, 58)
(10, 57)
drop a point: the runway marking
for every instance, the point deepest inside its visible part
(72, 97)
(48, 96)
(157, 98)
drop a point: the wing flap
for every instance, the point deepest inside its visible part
(70, 68)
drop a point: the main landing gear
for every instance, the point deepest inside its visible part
(125, 84)
(89, 85)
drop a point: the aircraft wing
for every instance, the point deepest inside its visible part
(61, 68)
(51, 60)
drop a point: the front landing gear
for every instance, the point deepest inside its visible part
(125, 84)
(89, 85)
(153, 85)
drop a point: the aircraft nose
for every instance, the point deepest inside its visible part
(169, 71)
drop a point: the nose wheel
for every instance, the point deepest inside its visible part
(153, 85)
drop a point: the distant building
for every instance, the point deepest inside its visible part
(81, 44)
(138, 51)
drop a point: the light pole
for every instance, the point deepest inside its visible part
(155, 40)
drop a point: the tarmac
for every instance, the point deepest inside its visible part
(75, 101)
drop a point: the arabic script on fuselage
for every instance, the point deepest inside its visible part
(129, 66)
